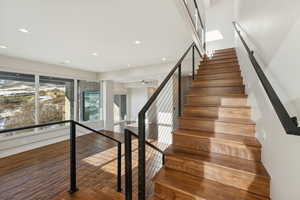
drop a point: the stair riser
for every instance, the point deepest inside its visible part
(195, 145)
(236, 75)
(218, 83)
(217, 112)
(223, 61)
(216, 90)
(221, 57)
(167, 193)
(229, 50)
(220, 174)
(219, 65)
(200, 112)
(218, 70)
(218, 127)
(216, 67)
(216, 100)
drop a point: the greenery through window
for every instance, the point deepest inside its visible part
(56, 99)
(28, 99)
(17, 100)
(90, 101)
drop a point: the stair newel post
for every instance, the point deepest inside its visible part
(73, 184)
(119, 167)
(142, 156)
(128, 165)
(179, 90)
(193, 62)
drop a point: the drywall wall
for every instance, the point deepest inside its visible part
(12, 64)
(137, 98)
(219, 16)
(275, 42)
(23, 142)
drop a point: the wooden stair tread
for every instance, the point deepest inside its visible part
(213, 58)
(226, 120)
(210, 158)
(238, 139)
(218, 106)
(218, 70)
(220, 95)
(200, 188)
(232, 86)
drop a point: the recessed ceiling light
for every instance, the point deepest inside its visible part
(23, 30)
(137, 42)
(3, 47)
(66, 62)
(95, 54)
(164, 59)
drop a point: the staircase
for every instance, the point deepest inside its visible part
(214, 155)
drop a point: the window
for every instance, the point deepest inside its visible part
(56, 99)
(30, 99)
(90, 101)
(17, 100)
(120, 108)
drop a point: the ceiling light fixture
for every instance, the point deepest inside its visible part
(95, 54)
(164, 59)
(137, 42)
(3, 47)
(23, 30)
(66, 62)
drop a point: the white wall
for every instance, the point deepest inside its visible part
(137, 98)
(219, 16)
(24, 142)
(272, 31)
(12, 64)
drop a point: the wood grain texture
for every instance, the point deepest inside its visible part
(173, 184)
(218, 70)
(214, 154)
(42, 173)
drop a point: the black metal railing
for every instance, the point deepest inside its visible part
(173, 103)
(73, 178)
(289, 123)
(193, 11)
(128, 160)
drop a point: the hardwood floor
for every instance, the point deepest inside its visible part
(42, 173)
(214, 154)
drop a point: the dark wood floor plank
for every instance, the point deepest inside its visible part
(42, 173)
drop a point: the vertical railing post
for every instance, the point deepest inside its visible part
(179, 90)
(73, 186)
(193, 62)
(119, 168)
(142, 157)
(128, 165)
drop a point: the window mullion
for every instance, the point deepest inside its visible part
(37, 96)
(75, 100)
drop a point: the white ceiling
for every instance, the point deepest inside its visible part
(74, 29)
